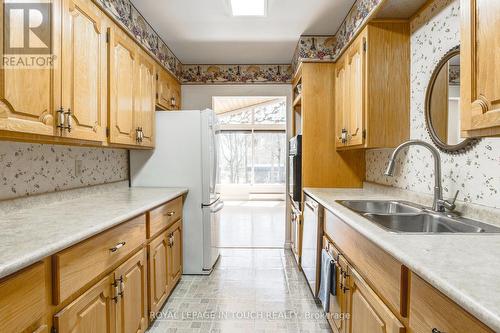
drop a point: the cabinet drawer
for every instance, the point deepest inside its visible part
(163, 216)
(385, 274)
(22, 299)
(80, 264)
(429, 310)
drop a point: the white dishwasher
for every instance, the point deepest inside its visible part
(311, 243)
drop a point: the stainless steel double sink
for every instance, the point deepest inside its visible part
(407, 217)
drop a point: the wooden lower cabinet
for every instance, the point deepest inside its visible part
(132, 307)
(159, 286)
(431, 311)
(165, 265)
(338, 302)
(368, 313)
(22, 300)
(174, 253)
(117, 303)
(94, 311)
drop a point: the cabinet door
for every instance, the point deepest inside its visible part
(91, 312)
(176, 95)
(158, 272)
(356, 83)
(164, 93)
(341, 103)
(23, 299)
(368, 314)
(84, 70)
(431, 311)
(338, 302)
(175, 252)
(28, 95)
(480, 67)
(122, 86)
(131, 308)
(145, 99)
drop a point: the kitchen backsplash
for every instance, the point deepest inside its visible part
(476, 173)
(28, 169)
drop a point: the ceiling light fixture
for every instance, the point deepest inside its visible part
(248, 7)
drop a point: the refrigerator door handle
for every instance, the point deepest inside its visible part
(216, 159)
(217, 207)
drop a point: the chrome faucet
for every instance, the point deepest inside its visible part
(439, 204)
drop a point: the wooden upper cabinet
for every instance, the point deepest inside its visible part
(94, 311)
(168, 91)
(132, 305)
(480, 68)
(356, 64)
(341, 100)
(145, 99)
(84, 70)
(368, 313)
(27, 96)
(163, 90)
(176, 95)
(372, 88)
(122, 87)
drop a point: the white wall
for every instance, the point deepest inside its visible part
(196, 97)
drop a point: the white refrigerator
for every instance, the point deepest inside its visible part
(186, 156)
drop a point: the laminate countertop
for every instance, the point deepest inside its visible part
(31, 231)
(464, 267)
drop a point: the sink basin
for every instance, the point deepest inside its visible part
(426, 223)
(380, 207)
(406, 217)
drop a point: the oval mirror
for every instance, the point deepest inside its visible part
(442, 105)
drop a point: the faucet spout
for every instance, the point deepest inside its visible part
(438, 204)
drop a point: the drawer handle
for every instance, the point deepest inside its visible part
(435, 330)
(170, 213)
(117, 247)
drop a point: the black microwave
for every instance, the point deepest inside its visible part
(295, 168)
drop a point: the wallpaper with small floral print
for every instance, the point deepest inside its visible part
(28, 169)
(236, 74)
(476, 174)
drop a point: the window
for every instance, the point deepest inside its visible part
(252, 140)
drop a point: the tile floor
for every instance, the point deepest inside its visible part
(252, 224)
(250, 290)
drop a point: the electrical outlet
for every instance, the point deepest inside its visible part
(78, 168)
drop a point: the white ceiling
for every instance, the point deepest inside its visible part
(204, 32)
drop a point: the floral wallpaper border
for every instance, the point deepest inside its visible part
(328, 48)
(124, 12)
(131, 19)
(236, 74)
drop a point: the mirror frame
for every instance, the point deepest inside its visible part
(463, 146)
